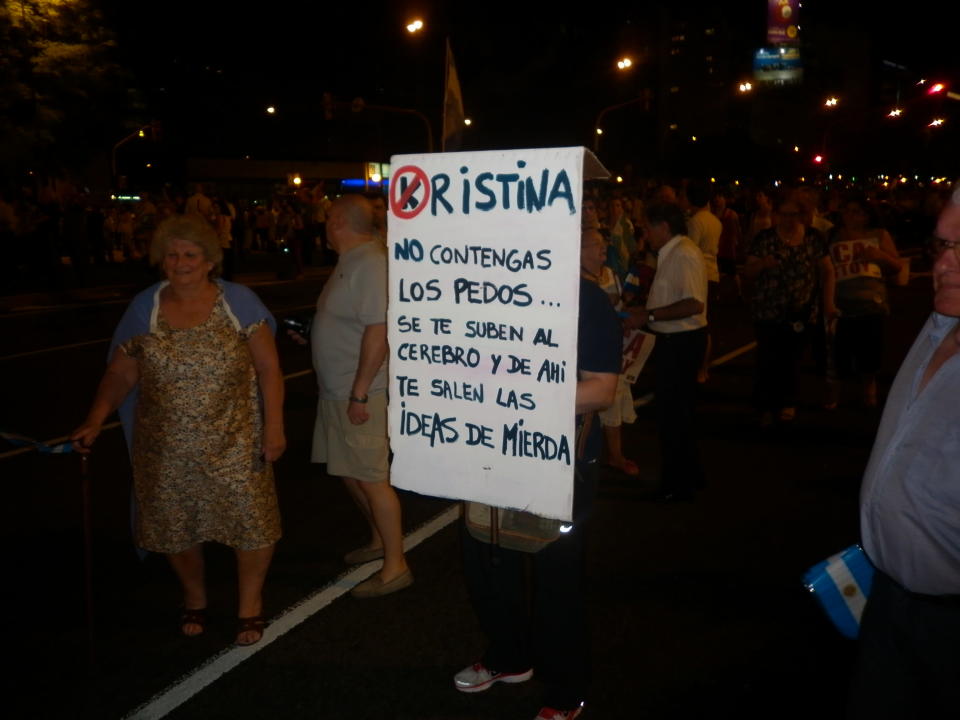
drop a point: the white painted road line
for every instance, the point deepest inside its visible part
(190, 684)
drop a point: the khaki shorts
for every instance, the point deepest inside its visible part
(354, 451)
(622, 409)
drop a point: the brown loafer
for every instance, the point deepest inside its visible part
(363, 555)
(375, 586)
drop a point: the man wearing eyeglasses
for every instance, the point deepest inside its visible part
(909, 664)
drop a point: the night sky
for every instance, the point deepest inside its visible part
(532, 74)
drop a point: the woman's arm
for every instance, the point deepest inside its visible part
(886, 256)
(120, 378)
(595, 391)
(263, 349)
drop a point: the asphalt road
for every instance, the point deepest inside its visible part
(697, 609)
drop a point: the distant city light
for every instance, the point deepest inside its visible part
(141, 133)
(296, 180)
(818, 159)
(271, 110)
(599, 131)
(624, 63)
(619, 179)
(896, 112)
(745, 87)
(937, 122)
(376, 177)
(713, 180)
(796, 148)
(832, 102)
(936, 88)
(467, 121)
(693, 138)
(415, 26)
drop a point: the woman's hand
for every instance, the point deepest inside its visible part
(84, 436)
(274, 443)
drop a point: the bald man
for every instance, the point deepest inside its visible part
(349, 341)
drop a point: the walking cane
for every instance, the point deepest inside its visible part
(87, 553)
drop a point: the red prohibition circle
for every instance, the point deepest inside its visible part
(397, 204)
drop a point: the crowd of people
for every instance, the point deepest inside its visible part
(194, 371)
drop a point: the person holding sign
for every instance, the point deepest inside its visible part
(855, 295)
(558, 646)
(349, 342)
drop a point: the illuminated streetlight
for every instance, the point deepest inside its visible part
(937, 122)
(745, 87)
(693, 138)
(296, 180)
(936, 88)
(896, 112)
(415, 26)
(376, 177)
(599, 131)
(271, 110)
(624, 63)
(619, 179)
(467, 121)
(796, 148)
(832, 102)
(818, 159)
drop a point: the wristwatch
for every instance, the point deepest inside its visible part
(360, 400)
(650, 317)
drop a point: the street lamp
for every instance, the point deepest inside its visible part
(832, 102)
(937, 122)
(745, 87)
(896, 112)
(271, 110)
(624, 63)
(467, 121)
(415, 26)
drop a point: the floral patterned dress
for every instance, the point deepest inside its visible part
(197, 465)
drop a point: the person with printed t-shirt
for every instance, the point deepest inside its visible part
(855, 295)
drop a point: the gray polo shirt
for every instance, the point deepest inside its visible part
(354, 296)
(910, 499)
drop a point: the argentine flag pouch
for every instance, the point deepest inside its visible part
(841, 584)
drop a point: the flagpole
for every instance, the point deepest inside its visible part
(443, 95)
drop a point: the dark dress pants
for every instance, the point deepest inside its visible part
(542, 625)
(677, 358)
(779, 351)
(908, 667)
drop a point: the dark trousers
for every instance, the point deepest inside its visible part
(677, 359)
(779, 349)
(909, 657)
(542, 625)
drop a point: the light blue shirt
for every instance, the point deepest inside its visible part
(910, 498)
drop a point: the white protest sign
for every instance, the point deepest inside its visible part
(484, 258)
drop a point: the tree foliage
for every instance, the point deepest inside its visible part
(62, 94)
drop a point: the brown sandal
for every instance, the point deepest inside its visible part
(193, 616)
(255, 624)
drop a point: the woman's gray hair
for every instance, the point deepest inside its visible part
(192, 228)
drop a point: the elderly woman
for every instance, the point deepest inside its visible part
(193, 368)
(786, 263)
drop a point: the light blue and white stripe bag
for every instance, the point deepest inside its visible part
(841, 584)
